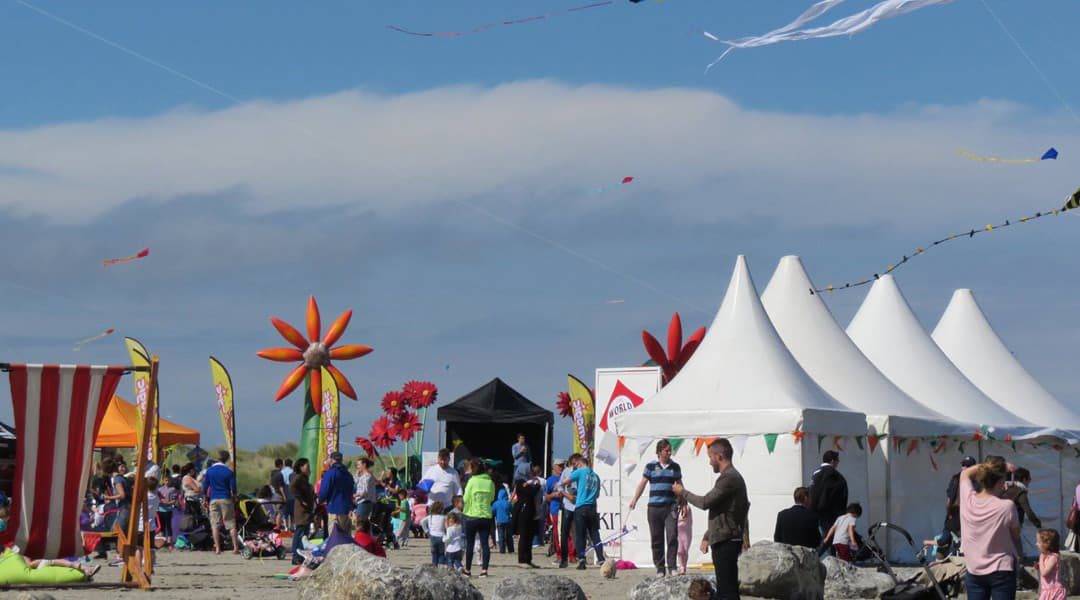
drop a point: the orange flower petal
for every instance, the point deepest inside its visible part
(337, 328)
(281, 354)
(292, 380)
(316, 390)
(348, 352)
(290, 333)
(313, 325)
(343, 384)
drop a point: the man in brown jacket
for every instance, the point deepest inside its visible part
(728, 508)
(303, 505)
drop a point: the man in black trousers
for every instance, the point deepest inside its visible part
(728, 506)
(798, 525)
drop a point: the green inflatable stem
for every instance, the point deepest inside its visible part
(309, 431)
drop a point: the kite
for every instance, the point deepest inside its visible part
(617, 301)
(1050, 154)
(856, 23)
(113, 261)
(606, 188)
(1072, 202)
(79, 344)
(487, 26)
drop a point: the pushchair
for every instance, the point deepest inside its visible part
(258, 536)
(909, 589)
(192, 529)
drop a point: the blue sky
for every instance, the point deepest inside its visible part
(396, 175)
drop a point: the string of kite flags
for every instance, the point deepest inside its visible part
(1071, 203)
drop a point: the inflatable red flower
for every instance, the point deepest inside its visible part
(366, 445)
(313, 354)
(394, 403)
(382, 433)
(677, 353)
(563, 405)
(407, 425)
(420, 394)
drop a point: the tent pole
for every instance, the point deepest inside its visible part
(547, 438)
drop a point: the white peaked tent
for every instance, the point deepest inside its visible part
(898, 482)
(743, 383)
(888, 333)
(970, 342)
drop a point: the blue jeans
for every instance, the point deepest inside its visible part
(453, 560)
(363, 509)
(999, 585)
(438, 551)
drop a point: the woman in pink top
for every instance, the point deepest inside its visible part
(990, 532)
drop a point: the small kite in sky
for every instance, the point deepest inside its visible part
(856, 23)
(79, 344)
(608, 188)
(113, 261)
(485, 27)
(1050, 154)
(618, 301)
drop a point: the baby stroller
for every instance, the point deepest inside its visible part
(193, 529)
(910, 589)
(258, 537)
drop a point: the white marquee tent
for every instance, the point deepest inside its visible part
(743, 383)
(898, 482)
(965, 335)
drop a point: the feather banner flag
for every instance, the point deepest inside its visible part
(141, 358)
(223, 393)
(582, 413)
(329, 421)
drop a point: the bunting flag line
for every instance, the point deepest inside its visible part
(856, 23)
(872, 441)
(933, 462)
(675, 443)
(1050, 154)
(738, 444)
(913, 444)
(836, 443)
(114, 261)
(798, 435)
(79, 344)
(1071, 203)
(820, 438)
(485, 27)
(858, 442)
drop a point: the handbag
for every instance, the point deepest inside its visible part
(1074, 516)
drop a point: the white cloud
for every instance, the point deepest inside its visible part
(696, 153)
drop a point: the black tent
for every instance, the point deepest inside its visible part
(486, 421)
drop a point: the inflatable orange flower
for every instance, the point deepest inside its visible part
(314, 354)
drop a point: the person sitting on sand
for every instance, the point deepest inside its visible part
(14, 553)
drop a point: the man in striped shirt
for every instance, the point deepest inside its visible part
(663, 514)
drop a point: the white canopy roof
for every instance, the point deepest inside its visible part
(829, 356)
(741, 380)
(889, 334)
(968, 339)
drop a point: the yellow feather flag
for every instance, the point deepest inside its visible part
(583, 415)
(328, 421)
(223, 391)
(141, 358)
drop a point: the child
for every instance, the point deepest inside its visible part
(455, 541)
(401, 532)
(842, 533)
(685, 529)
(1050, 587)
(700, 589)
(502, 511)
(435, 523)
(458, 503)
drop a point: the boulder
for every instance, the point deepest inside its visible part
(351, 573)
(843, 580)
(529, 586)
(674, 587)
(771, 570)
(1070, 572)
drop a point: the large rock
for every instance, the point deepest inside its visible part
(1070, 572)
(770, 570)
(843, 580)
(351, 573)
(674, 587)
(529, 586)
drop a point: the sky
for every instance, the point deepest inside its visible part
(444, 188)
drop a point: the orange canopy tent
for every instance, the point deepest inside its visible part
(118, 428)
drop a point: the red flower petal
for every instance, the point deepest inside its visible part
(420, 394)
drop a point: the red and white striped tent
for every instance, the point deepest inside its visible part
(58, 410)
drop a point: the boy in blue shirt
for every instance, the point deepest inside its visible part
(502, 508)
(586, 519)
